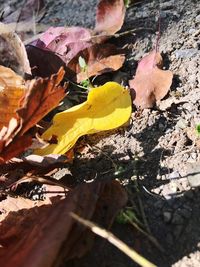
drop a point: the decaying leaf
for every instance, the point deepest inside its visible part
(12, 88)
(42, 95)
(99, 59)
(151, 83)
(107, 107)
(110, 16)
(18, 48)
(46, 235)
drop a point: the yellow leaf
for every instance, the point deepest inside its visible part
(107, 107)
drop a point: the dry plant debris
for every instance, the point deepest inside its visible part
(43, 233)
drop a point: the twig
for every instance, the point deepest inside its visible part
(39, 179)
(114, 241)
(116, 35)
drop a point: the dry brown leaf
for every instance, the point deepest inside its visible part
(110, 16)
(44, 236)
(151, 83)
(99, 59)
(42, 96)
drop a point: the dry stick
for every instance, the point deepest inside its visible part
(40, 179)
(116, 35)
(114, 241)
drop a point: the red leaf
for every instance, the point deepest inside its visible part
(151, 83)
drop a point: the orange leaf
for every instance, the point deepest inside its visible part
(99, 59)
(12, 88)
(41, 97)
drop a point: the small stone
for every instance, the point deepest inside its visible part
(197, 18)
(157, 190)
(173, 175)
(167, 215)
(186, 53)
(193, 171)
(191, 31)
(193, 155)
(182, 124)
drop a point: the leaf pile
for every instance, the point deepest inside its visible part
(67, 43)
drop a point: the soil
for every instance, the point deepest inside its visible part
(153, 155)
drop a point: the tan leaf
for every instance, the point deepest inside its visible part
(18, 47)
(151, 83)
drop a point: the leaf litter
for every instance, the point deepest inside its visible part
(107, 107)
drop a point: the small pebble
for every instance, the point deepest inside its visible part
(167, 215)
(186, 53)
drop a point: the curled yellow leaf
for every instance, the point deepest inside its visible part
(107, 107)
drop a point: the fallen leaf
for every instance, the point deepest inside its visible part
(42, 95)
(12, 88)
(64, 42)
(107, 107)
(46, 235)
(110, 16)
(151, 83)
(99, 59)
(45, 63)
(18, 49)
(46, 161)
(30, 10)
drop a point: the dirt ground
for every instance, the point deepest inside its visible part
(154, 154)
